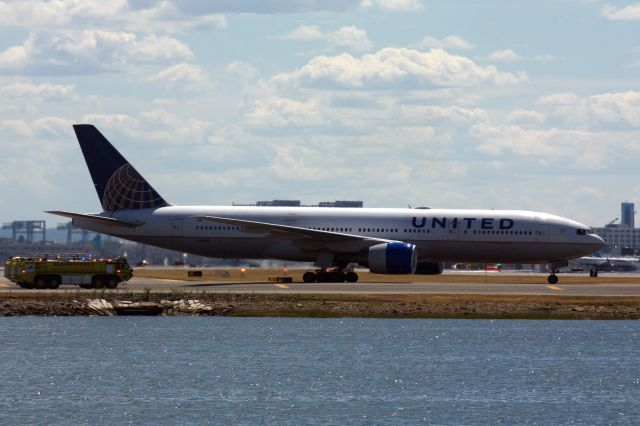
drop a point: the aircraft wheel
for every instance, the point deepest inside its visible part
(98, 282)
(54, 283)
(309, 277)
(552, 279)
(112, 283)
(40, 283)
(352, 277)
(324, 277)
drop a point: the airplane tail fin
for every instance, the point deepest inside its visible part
(118, 184)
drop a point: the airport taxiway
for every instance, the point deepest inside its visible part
(447, 286)
(390, 288)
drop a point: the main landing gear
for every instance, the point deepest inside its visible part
(330, 276)
(553, 278)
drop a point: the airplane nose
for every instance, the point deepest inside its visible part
(596, 242)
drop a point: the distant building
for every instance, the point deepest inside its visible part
(279, 203)
(622, 238)
(341, 203)
(627, 217)
(619, 238)
(296, 203)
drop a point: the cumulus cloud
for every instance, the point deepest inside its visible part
(504, 55)
(597, 110)
(15, 129)
(349, 38)
(153, 126)
(526, 117)
(579, 149)
(182, 77)
(118, 15)
(397, 68)
(41, 91)
(627, 13)
(543, 57)
(453, 114)
(449, 42)
(514, 139)
(27, 145)
(395, 5)
(88, 52)
(242, 70)
(564, 98)
(508, 55)
(303, 32)
(52, 127)
(193, 7)
(281, 112)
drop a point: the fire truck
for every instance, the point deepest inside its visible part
(50, 271)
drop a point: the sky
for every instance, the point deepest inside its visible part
(531, 105)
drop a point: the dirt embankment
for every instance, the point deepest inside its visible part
(292, 305)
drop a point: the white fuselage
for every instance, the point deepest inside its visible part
(440, 235)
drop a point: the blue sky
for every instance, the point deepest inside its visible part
(459, 104)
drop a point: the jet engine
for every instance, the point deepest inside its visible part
(429, 268)
(393, 258)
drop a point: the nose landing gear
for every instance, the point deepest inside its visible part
(553, 267)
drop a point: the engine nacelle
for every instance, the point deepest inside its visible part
(393, 258)
(429, 268)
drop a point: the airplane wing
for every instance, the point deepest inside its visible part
(98, 219)
(323, 236)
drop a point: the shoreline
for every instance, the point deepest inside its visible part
(181, 303)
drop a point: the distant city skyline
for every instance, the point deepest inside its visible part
(627, 214)
(494, 104)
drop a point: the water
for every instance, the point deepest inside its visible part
(317, 371)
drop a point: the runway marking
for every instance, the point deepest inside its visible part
(281, 286)
(554, 287)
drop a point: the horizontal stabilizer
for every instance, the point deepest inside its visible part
(97, 219)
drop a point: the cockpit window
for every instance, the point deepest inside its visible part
(581, 231)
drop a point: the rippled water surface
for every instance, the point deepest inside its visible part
(329, 371)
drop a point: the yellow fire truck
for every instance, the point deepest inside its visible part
(50, 271)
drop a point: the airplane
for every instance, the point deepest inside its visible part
(385, 240)
(605, 264)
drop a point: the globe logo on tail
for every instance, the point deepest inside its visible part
(126, 189)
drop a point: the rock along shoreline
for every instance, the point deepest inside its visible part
(104, 303)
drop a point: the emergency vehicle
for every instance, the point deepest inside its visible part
(50, 271)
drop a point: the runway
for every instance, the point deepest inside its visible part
(447, 285)
(481, 288)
